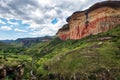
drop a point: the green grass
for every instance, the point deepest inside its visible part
(3, 45)
(85, 59)
(11, 59)
(84, 56)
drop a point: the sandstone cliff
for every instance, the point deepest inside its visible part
(98, 18)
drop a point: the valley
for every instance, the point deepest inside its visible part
(87, 47)
(93, 57)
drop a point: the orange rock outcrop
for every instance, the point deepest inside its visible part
(98, 18)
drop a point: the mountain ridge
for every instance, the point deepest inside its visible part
(28, 41)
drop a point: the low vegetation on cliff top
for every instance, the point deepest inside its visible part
(95, 57)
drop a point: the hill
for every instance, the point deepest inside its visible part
(26, 42)
(4, 45)
(94, 57)
(87, 48)
(30, 41)
(7, 41)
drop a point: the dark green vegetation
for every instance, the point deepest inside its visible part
(96, 57)
(3, 45)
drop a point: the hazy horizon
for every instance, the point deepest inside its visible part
(26, 37)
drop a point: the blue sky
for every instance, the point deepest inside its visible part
(12, 28)
(54, 21)
(36, 18)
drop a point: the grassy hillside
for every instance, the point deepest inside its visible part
(94, 57)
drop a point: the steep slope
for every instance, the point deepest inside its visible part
(98, 18)
(91, 58)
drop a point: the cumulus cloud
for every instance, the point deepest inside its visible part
(19, 30)
(6, 28)
(40, 13)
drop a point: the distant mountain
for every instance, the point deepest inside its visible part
(4, 45)
(29, 41)
(7, 41)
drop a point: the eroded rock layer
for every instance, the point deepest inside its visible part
(98, 18)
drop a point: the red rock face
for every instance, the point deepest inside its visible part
(82, 24)
(64, 35)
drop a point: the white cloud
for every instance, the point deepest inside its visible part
(6, 28)
(47, 29)
(1, 22)
(19, 30)
(46, 3)
(40, 13)
(12, 23)
(37, 14)
(1, 38)
(35, 26)
(86, 7)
